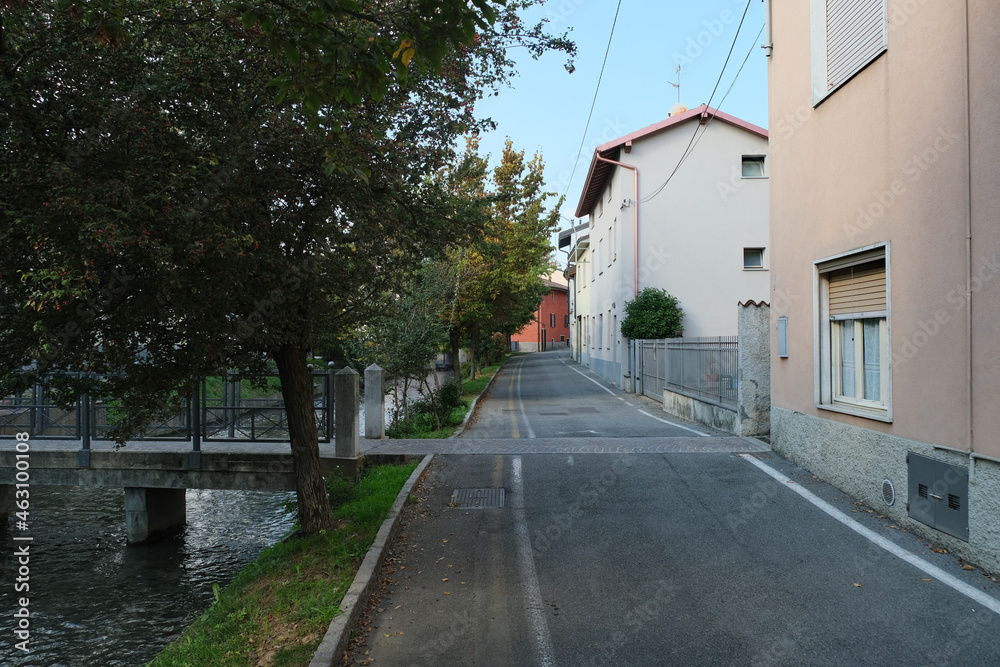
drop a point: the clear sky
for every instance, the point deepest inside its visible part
(547, 108)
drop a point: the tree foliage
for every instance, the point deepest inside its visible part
(498, 280)
(651, 315)
(166, 210)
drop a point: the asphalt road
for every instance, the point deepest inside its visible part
(684, 557)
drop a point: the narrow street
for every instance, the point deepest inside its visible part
(627, 537)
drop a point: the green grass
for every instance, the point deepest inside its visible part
(277, 609)
(471, 389)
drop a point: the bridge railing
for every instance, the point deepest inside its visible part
(226, 408)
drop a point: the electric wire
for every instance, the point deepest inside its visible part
(691, 142)
(590, 115)
(704, 128)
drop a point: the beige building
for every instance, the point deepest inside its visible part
(885, 231)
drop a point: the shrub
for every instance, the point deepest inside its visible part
(653, 314)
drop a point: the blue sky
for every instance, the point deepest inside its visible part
(547, 108)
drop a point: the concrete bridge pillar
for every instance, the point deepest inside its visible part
(374, 402)
(346, 404)
(151, 512)
(6, 501)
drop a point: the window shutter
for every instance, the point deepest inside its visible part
(858, 289)
(855, 35)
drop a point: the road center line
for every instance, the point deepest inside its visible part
(952, 582)
(514, 433)
(540, 639)
(520, 403)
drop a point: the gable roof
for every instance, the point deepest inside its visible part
(599, 172)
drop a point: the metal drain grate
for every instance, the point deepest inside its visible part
(477, 498)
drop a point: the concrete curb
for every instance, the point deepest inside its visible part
(475, 402)
(334, 643)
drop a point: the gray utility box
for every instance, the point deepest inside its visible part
(937, 494)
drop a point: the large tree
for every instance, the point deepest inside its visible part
(498, 274)
(168, 212)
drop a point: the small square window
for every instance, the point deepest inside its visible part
(753, 166)
(753, 258)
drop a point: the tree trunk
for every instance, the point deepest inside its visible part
(296, 388)
(473, 355)
(456, 363)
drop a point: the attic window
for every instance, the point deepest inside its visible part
(753, 166)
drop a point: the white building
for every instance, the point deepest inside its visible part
(680, 205)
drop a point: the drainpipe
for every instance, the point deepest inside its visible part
(970, 442)
(635, 203)
(768, 44)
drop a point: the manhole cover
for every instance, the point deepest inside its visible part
(477, 498)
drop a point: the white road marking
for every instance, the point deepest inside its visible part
(952, 582)
(520, 403)
(665, 421)
(540, 638)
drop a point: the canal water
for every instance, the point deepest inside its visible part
(94, 600)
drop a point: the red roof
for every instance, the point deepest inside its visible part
(597, 177)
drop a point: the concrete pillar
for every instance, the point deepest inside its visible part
(346, 405)
(753, 401)
(6, 501)
(374, 402)
(150, 513)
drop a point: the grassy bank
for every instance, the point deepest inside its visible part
(277, 609)
(471, 389)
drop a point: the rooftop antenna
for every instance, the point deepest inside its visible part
(678, 84)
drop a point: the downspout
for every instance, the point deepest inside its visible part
(968, 246)
(635, 203)
(768, 44)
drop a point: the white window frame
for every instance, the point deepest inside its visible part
(763, 260)
(755, 159)
(827, 367)
(818, 29)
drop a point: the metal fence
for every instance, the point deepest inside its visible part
(225, 409)
(698, 367)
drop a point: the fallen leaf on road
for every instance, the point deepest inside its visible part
(939, 551)
(968, 567)
(789, 482)
(444, 541)
(447, 593)
(445, 579)
(857, 585)
(926, 579)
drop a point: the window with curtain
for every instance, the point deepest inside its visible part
(854, 339)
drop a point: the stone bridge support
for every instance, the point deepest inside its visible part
(151, 512)
(374, 402)
(6, 501)
(346, 403)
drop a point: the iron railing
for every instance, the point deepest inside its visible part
(705, 368)
(224, 409)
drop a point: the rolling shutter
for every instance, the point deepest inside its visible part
(855, 35)
(858, 289)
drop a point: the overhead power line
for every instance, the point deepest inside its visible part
(695, 136)
(583, 139)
